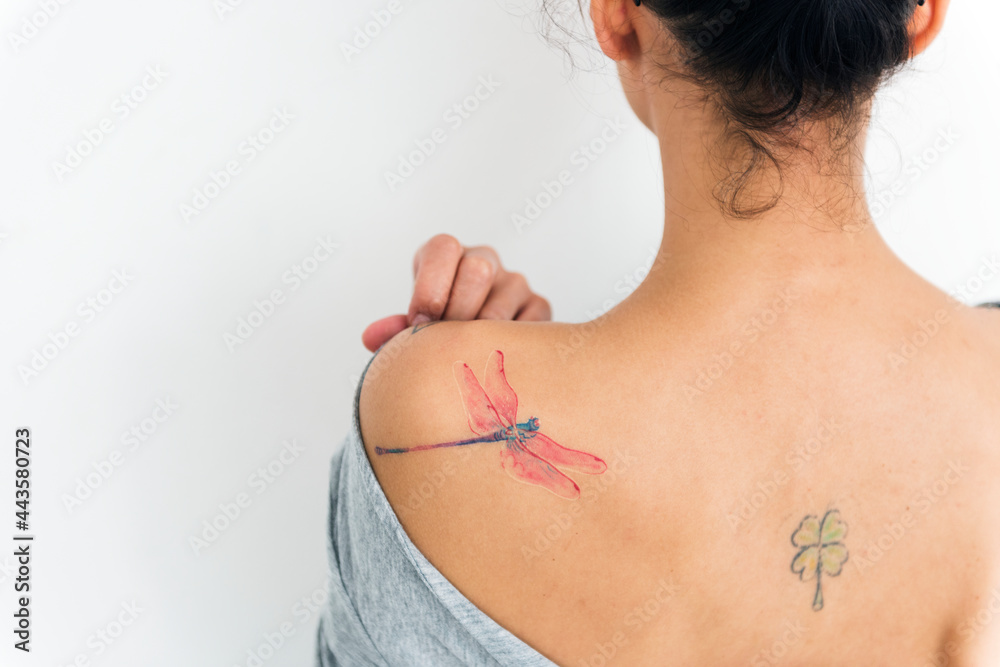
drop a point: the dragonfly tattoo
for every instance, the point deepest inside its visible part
(528, 455)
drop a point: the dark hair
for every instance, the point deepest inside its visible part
(771, 64)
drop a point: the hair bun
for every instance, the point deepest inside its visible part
(772, 60)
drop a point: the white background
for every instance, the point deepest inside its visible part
(62, 237)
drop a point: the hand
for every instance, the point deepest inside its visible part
(453, 282)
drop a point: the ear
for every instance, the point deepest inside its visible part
(927, 21)
(614, 28)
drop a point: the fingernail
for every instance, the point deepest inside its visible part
(420, 318)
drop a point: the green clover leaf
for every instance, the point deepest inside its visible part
(821, 550)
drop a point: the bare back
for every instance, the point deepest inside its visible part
(815, 483)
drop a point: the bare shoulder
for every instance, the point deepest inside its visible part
(436, 398)
(403, 395)
(400, 383)
(475, 424)
(410, 392)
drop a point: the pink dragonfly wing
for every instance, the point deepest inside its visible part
(528, 468)
(499, 390)
(549, 450)
(532, 458)
(483, 417)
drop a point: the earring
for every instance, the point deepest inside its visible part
(638, 1)
(920, 2)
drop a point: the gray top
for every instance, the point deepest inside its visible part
(388, 605)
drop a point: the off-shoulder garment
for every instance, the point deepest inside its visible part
(388, 605)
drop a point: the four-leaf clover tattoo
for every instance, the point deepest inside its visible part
(821, 550)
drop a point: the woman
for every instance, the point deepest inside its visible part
(784, 446)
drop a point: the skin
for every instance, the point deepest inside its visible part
(748, 383)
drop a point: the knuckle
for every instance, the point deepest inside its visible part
(489, 252)
(435, 306)
(478, 270)
(518, 281)
(541, 308)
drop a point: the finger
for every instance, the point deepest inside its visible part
(509, 295)
(379, 332)
(473, 282)
(536, 310)
(434, 268)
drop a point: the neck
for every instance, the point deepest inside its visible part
(819, 236)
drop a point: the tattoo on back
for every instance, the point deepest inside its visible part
(821, 550)
(528, 455)
(421, 327)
